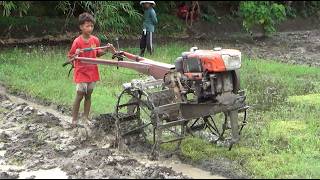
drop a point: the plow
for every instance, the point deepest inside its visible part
(198, 95)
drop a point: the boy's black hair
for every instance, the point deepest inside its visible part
(86, 17)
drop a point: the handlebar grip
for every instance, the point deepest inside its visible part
(66, 63)
(87, 49)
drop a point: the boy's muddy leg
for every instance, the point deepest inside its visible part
(87, 123)
(87, 103)
(76, 107)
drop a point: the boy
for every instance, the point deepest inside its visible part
(85, 75)
(150, 20)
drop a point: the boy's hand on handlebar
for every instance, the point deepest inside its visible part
(78, 51)
(101, 52)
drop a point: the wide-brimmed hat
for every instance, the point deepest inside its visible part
(151, 2)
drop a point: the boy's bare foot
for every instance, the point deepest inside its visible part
(89, 125)
(89, 122)
(74, 124)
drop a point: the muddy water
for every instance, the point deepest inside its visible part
(178, 166)
(193, 172)
(10, 167)
(2, 153)
(55, 173)
(185, 169)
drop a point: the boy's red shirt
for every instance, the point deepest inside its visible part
(85, 72)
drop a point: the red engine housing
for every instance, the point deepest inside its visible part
(211, 61)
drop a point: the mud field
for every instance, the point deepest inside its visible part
(38, 142)
(295, 47)
(35, 140)
(299, 47)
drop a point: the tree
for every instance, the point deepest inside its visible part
(194, 11)
(262, 13)
(8, 7)
(115, 16)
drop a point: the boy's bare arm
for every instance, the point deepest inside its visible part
(108, 47)
(101, 52)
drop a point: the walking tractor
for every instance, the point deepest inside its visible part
(199, 95)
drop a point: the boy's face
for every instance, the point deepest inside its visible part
(87, 27)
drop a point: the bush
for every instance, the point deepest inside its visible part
(169, 24)
(9, 7)
(313, 8)
(118, 17)
(27, 26)
(262, 13)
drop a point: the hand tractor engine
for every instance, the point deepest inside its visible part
(211, 75)
(199, 95)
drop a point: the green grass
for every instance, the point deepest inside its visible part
(308, 99)
(282, 139)
(40, 74)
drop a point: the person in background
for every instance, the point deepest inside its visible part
(183, 11)
(149, 22)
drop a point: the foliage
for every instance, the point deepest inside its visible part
(21, 7)
(262, 13)
(168, 25)
(313, 8)
(209, 14)
(291, 12)
(111, 16)
(115, 16)
(64, 6)
(124, 17)
(31, 26)
(166, 7)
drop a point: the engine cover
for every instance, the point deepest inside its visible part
(218, 60)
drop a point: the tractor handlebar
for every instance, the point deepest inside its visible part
(108, 46)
